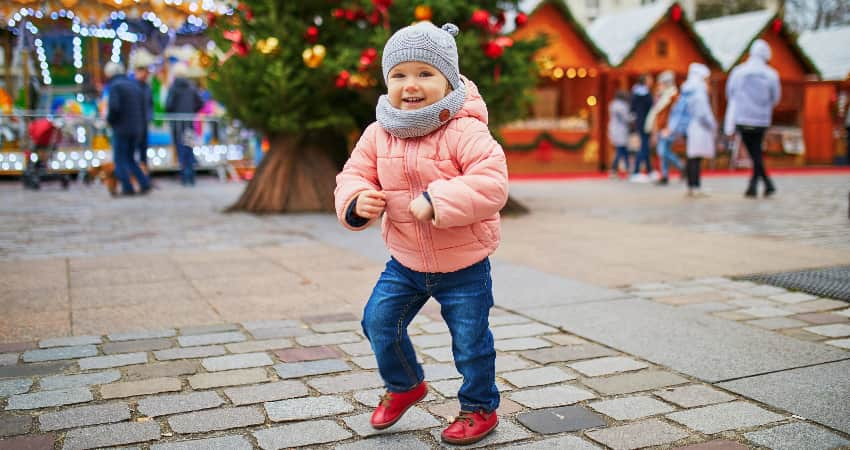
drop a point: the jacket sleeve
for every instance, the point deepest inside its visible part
(359, 174)
(482, 188)
(776, 90)
(169, 101)
(113, 109)
(704, 114)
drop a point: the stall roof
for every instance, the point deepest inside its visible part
(829, 51)
(531, 6)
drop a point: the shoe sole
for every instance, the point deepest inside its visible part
(382, 426)
(471, 439)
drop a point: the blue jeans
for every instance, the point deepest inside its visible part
(123, 147)
(643, 153)
(665, 154)
(465, 299)
(622, 153)
(187, 164)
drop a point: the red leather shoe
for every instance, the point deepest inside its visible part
(469, 427)
(393, 405)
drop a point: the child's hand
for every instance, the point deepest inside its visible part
(421, 209)
(370, 204)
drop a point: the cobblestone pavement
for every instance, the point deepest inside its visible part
(312, 382)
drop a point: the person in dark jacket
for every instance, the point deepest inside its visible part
(640, 105)
(141, 73)
(126, 115)
(183, 98)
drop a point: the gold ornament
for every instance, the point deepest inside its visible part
(313, 56)
(268, 46)
(204, 60)
(423, 12)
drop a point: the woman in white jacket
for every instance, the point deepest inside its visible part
(701, 124)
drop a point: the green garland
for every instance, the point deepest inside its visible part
(559, 144)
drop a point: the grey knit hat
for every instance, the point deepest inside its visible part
(424, 42)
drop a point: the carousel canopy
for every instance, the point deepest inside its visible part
(829, 51)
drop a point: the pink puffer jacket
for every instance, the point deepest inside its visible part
(464, 171)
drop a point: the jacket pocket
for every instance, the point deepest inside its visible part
(482, 233)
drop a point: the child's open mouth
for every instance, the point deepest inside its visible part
(413, 101)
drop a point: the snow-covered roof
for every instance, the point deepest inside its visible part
(617, 34)
(829, 51)
(729, 37)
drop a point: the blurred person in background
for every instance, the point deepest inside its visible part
(618, 130)
(640, 105)
(692, 113)
(183, 98)
(751, 92)
(126, 115)
(656, 123)
(141, 73)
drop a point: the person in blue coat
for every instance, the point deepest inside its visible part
(641, 103)
(126, 114)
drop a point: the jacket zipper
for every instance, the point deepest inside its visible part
(424, 229)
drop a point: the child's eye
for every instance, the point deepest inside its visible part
(426, 74)
(397, 75)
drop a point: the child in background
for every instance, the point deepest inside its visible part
(619, 118)
(431, 167)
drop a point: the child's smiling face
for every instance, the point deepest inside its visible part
(414, 85)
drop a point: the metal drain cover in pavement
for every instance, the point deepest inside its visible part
(831, 282)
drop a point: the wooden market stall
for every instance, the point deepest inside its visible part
(562, 133)
(645, 40)
(729, 39)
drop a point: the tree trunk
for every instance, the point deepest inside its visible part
(296, 175)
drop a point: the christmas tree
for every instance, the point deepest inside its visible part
(307, 75)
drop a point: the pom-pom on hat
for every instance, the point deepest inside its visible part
(426, 43)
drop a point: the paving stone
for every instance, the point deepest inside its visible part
(726, 416)
(843, 312)
(765, 312)
(208, 339)
(808, 392)
(752, 303)
(8, 359)
(537, 377)
(45, 399)
(300, 434)
(14, 387)
(560, 420)
(414, 419)
(110, 435)
(371, 397)
(163, 405)
(634, 382)
(607, 366)
(260, 324)
(833, 331)
(70, 341)
(548, 397)
(558, 443)
(87, 379)
(266, 392)
(821, 318)
(57, 353)
(435, 372)
(506, 362)
(715, 445)
(567, 353)
(441, 354)
(228, 378)
(276, 333)
(840, 343)
(345, 383)
(709, 307)
(308, 353)
(816, 305)
(765, 291)
(508, 345)
(795, 436)
(208, 329)
(451, 408)
(630, 408)
(259, 346)
(218, 443)
(191, 352)
(777, 323)
(507, 431)
(322, 318)
(328, 339)
(333, 327)
(29, 370)
(497, 320)
(137, 346)
(694, 395)
(307, 408)
(17, 347)
(14, 425)
(145, 387)
(523, 330)
(365, 362)
(565, 339)
(641, 434)
(449, 388)
(432, 340)
(705, 347)
(42, 442)
(386, 442)
(520, 287)
(792, 297)
(158, 370)
(106, 362)
(84, 416)
(216, 419)
(357, 348)
(142, 334)
(301, 369)
(242, 361)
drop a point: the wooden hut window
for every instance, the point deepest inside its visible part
(661, 48)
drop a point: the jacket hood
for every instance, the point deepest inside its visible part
(760, 50)
(640, 89)
(697, 74)
(181, 83)
(473, 104)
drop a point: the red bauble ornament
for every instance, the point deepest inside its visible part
(480, 18)
(374, 18)
(350, 14)
(370, 53)
(342, 79)
(676, 12)
(245, 10)
(504, 41)
(312, 34)
(233, 35)
(382, 3)
(521, 20)
(493, 50)
(211, 20)
(777, 25)
(338, 13)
